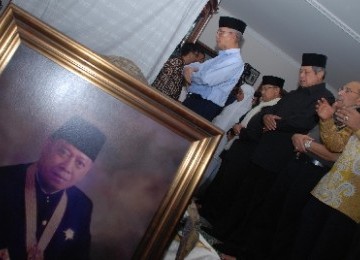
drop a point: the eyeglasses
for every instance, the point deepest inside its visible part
(221, 32)
(347, 90)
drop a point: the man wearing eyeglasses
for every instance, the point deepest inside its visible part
(212, 81)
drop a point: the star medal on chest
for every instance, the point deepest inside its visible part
(69, 234)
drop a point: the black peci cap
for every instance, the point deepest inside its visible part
(232, 23)
(272, 80)
(314, 59)
(83, 135)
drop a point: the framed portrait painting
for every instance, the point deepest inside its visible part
(253, 74)
(155, 150)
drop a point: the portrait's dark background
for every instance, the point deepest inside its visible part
(132, 173)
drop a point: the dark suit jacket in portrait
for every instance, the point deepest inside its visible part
(72, 237)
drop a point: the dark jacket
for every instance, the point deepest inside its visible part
(76, 218)
(298, 115)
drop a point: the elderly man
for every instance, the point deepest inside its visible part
(212, 81)
(249, 130)
(42, 214)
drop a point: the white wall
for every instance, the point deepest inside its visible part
(145, 32)
(260, 53)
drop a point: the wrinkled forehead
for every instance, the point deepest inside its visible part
(354, 85)
(306, 68)
(227, 29)
(67, 146)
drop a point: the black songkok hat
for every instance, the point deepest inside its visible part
(232, 23)
(314, 59)
(272, 80)
(83, 135)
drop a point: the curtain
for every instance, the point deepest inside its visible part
(144, 31)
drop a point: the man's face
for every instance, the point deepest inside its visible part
(349, 95)
(196, 57)
(269, 92)
(308, 77)
(62, 165)
(224, 35)
(240, 95)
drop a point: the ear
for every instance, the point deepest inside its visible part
(278, 91)
(357, 101)
(233, 35)
(321, 74)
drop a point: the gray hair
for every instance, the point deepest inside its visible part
(319, 69)
(238, 35)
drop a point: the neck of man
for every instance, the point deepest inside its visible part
(232, 46)
(43, 187)
(315, 84)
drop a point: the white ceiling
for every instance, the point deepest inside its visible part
(331, 27)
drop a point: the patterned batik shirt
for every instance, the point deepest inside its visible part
(170, 79)
(340, 187)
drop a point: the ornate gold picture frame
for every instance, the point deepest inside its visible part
(155, 153)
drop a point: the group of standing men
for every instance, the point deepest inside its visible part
(277, 176)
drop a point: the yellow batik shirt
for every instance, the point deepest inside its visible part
(340, 187)
(333, 138)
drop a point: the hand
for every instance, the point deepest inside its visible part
(270, 121)
(188, 71)
(349, 116)
(324, 109)
(298, 141)
(229, 136)
(34, 253)
(237, 128)
(227, 257)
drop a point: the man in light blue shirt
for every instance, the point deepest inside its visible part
(212, 81)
